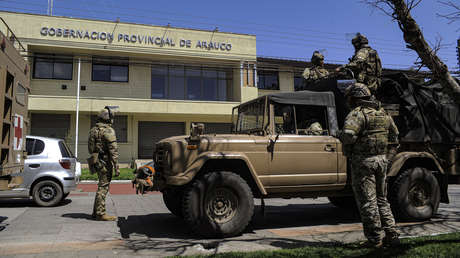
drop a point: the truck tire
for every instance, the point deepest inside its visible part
(343, 202)
(47, 193)
(415, 194)
(173, 201)
(220, 204)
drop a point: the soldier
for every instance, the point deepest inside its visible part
(365, 64)
(315, 128)
(102, 146)
(317, 72)
(366, 134)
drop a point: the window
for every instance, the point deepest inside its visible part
(65, 152)
(53, 67)
(34, 146)
(300, 119)
(120, 125)
(159, 82)
(298, 83)
(191, 83)
(50, 125)
(110, 70)
(268, 80)
(21, 94)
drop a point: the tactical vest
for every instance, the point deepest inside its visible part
(373, 139)
(372, 70)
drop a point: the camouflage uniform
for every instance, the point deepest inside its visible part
(317, 72)
(366, 134)
(315, 129)
(365, 64)
(102, 140)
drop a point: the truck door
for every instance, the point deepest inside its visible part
(304, 152)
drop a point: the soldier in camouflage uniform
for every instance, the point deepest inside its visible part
(365, 64)
(317, 72)
(102, 143)
(315, 128)
(366, 134)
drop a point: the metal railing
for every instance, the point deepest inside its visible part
(6, 30)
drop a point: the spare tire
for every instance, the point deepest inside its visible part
(415, 194)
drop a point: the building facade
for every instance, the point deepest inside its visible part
(162, 78)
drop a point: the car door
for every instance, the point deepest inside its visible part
(299, 157)
(33, 165)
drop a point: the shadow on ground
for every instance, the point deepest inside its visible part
(25, 202)
(3, 225)
(78, 216)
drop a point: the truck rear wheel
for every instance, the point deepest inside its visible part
(415, 194)
(173, 201)
(220, 204)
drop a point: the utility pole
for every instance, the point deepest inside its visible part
(50, 7)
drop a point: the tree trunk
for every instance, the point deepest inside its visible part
(415, 40)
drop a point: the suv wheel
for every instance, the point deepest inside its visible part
(47, 193)
(415, 194)
(218, 204)
(173, 201)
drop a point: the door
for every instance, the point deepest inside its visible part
(151, 132)
(303, 151)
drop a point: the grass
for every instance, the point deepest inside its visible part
(447, 245)
(125, 174)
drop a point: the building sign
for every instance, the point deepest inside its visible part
(110, 37)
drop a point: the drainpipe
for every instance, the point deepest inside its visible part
(256, 79)
(241, 74)
(78, 108)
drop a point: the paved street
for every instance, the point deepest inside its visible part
(146, 228)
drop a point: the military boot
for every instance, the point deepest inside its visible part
(391, 239)
(105, 217)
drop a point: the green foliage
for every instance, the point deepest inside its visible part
(125, 174)
(447, 245)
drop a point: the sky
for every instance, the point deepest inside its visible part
(289, 29)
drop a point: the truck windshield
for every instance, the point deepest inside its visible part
(250, 117)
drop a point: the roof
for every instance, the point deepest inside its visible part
(303, 98)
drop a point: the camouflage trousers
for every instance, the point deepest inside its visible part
(102, 190)
(369, 187)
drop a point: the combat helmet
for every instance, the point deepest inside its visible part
(317, 57)
(359, 40)
(107, 114)
(358, 90)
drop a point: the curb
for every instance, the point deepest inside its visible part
(112, 182)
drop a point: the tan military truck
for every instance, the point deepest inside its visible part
(211, 180)
(14, 90)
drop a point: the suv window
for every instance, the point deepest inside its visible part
(301, 119)
(65, 152)
(34, 146)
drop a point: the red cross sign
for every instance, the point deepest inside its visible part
(18, 125)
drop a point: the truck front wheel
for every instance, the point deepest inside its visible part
(173, 201)
(220, 204)
(415, 194)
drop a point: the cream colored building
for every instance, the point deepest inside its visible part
(162, 78)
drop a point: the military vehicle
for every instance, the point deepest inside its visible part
(14, 90)
(211, 180)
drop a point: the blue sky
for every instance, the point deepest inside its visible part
(288, 29)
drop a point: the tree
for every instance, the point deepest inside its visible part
(400, 11)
